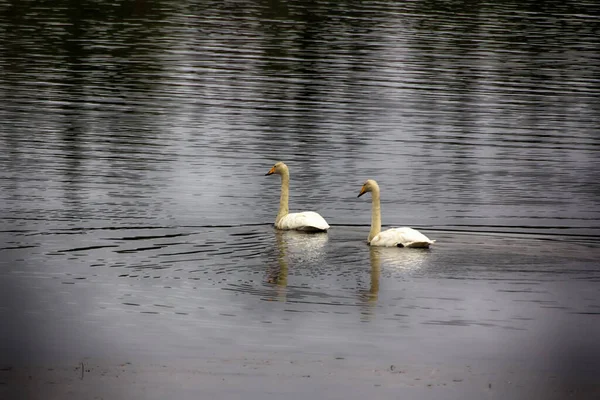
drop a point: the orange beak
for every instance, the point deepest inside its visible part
(362, 191)
(271, 171)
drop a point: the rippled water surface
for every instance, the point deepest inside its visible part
(135, 217)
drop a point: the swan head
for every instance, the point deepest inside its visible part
(369, 186)
(279, 168)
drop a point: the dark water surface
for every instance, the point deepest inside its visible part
(135, 214)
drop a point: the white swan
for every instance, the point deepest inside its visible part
(400, 237)
(308, 221)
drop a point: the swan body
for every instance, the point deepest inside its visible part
(401, 237)
(302, 221)
(395, 237)
(308, 221)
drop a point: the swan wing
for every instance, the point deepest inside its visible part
(303, 221)
(401, 237)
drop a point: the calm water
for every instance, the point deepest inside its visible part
(135, 214)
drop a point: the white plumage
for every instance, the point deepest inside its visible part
(401, 237)
(395, 237)
(308, 221)
(303, 221)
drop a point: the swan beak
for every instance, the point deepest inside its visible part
(271, 171)
(362, 191)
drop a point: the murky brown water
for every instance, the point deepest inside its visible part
(135, 214)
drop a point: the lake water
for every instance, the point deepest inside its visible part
(136, 221)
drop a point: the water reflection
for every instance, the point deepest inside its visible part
(297, 248)
(397, 263)
(110, 112)
(403, 260)
(369, 297)
(278, 275)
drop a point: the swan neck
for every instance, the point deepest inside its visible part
(285, 196)
(375, 214)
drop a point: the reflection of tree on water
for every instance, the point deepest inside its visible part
(294, 247)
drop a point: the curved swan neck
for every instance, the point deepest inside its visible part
(285, 195)
(375, 214)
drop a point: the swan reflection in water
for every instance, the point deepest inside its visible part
(370, 296)
(396, 263)
(293, 246)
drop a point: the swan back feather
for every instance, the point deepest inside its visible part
(401, 237)
(303, 221)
